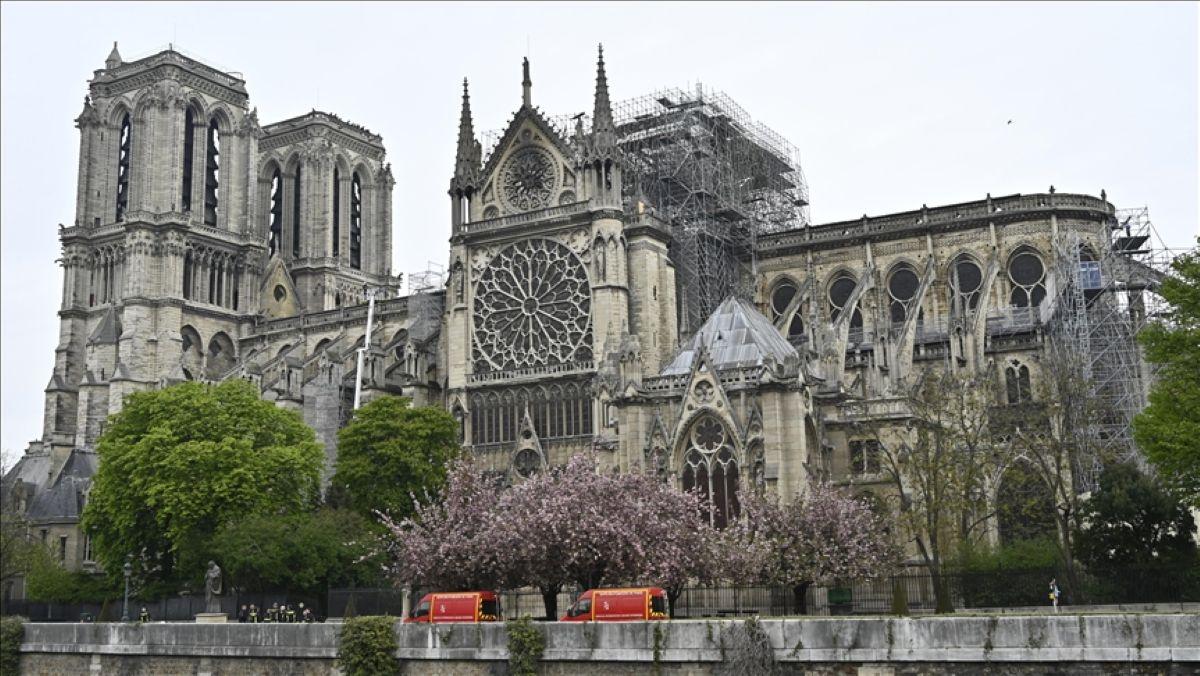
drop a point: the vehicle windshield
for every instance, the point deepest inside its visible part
(581, 607)
(421, 610)
(490, 607)
(658, 604)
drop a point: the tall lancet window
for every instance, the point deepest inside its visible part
(296, 214)
(337, 212)
(189, 148)
(212, 174)
(123, 154)
(275, 219)
(356, 222)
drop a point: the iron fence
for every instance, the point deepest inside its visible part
(170, 609)
(911, 590)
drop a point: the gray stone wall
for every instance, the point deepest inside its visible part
(1001, 644)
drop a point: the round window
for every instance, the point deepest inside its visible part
(280, 292)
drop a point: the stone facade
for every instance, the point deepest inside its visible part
(207, 246)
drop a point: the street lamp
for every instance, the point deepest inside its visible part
(125, 607)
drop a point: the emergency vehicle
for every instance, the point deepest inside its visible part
(477, 606)
(616, 605)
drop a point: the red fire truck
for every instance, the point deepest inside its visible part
(616, 605)
(476, 606)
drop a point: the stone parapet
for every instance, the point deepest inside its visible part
(1028, 639)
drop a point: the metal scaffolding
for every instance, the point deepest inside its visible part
(1106, 292)
(424, 303)
(720, 177)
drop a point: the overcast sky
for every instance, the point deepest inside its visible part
(891, 105)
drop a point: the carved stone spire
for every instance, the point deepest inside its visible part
(470, 152)
(526, 85)
(602, 119)
(114, 58)
(601, 144)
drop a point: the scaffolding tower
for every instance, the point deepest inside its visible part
(1106, 292)
(718, 176)
(424, 301)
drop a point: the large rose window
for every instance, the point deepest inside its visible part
(528, 179)
(532, 308)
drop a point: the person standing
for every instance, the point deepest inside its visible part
(290, 612)
(144, 615)
(1055, 594)
(243, 614)
(252, 616)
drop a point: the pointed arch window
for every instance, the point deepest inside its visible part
(710, 469)
(902, 289)
(1016, 382)
(337, 212)
(189, 149)
(840, 292)
(356, 222)
(1028, 276)
(296, 183)
(966, 282)
(275, 217)
(124, 150)
(212, 174)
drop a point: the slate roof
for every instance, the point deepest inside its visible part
(65, 497)
(735, 335)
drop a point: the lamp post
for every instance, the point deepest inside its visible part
(125, 607)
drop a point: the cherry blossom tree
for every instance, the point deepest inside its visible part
(821, 536)
(450, 542)
(569, 525)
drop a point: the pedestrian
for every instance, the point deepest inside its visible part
(1055, 594)
(290, 612)
(144, 615)
(306, 614)
(243, 614)
(273, 613)
(252, 616)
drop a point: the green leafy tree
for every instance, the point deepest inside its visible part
(937, 465)
(303, 552)
(179, 463)
(391, 452)
(1131, 522)
(1169, 429)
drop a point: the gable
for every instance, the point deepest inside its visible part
(277, 295)
(530, 169)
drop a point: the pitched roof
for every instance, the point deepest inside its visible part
(108, 331)
(735, 335)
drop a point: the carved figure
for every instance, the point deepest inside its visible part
(212, 588)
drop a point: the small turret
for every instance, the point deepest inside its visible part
(599, 154)
(114, 58)
(470, 153)
(467, 161)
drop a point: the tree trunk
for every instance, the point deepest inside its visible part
(673, 595)
(800, 598)
(550, 602)
(941, 590)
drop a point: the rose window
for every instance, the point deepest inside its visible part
(709, 435)
(528, 179)
(532, 309)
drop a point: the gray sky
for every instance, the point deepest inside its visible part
(891, 105)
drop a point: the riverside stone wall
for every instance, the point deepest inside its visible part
(1063, 644)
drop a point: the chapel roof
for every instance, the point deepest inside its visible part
(735, 335)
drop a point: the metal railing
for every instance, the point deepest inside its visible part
(911, 589)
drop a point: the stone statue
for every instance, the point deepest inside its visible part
(212, 588)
